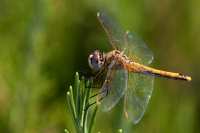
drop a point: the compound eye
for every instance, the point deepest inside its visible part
(95, 61)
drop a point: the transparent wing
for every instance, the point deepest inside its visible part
(139, 92)
(112, 29)
(136, 49)
(128, 42)
(113, 88)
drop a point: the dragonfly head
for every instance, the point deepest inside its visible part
(96, 60)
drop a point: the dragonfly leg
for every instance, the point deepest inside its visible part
(94, 103)
(97, 94)
(105, 88)
(99, 74)
(99, 97)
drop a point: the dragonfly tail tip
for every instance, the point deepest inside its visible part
(189, 78)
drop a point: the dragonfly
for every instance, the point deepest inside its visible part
(128, 73)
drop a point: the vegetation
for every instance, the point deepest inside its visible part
(78, 99)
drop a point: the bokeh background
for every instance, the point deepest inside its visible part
(44, 42)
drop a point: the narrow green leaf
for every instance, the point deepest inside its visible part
(72, 102)
(83, 100)
(77, 92)
(91, 124)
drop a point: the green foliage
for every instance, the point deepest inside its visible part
(78, 101)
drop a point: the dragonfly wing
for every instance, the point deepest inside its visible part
(113, 88)
(137, 49)
(139, 92)
(112, 29)
(121, 40)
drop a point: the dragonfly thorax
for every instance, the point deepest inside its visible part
(96, 60)
(115, 59)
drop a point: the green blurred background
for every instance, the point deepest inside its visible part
(44, 42)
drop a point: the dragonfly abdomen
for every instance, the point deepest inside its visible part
(138, 68)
